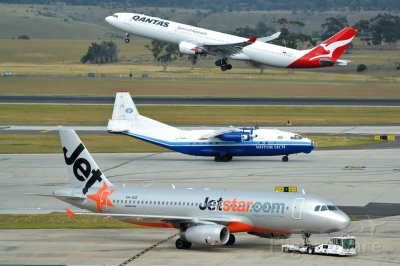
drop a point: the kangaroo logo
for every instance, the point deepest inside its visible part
(82, 168)
(330, 49)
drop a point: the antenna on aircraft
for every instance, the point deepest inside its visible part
(173, 186)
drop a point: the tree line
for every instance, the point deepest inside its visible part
(105, 52)
(235, 5)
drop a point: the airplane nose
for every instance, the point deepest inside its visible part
(109, 19)
(343, 221)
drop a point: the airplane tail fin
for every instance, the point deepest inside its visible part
(328, 52)
(83, 172)
(124, 107)
(126, 118)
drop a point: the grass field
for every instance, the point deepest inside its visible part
(57, 220)
(202, 115)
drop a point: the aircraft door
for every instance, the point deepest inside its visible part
(297, 208)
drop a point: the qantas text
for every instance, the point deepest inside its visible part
(151, 21)
(236, 205)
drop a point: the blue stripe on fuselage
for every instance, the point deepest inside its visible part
(246, 148)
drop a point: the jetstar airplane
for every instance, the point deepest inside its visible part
(194, 40)
(204, 217)
(223, 144)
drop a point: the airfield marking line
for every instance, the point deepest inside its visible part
(147, 250)
(121, 164)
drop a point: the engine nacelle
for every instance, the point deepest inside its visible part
(210, 234)
(189, 48)
(235, 136)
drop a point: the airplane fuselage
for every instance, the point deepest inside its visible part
(265, 142)
(194, 40)
(261, 212)
(173, 32)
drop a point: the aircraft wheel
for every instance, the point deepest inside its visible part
(226, 158)
(181, 244)
(231, 240)
(217, 158)
(218, 63)
(310, 250)
(224, 68)
(285, 158)
(229, 66)
(127, 40)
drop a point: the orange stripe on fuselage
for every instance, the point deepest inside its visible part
(153, 224)
(238, 227)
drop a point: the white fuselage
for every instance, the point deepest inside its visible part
(169, 31)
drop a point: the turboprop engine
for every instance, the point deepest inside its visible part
(209, 234)
(235, 136)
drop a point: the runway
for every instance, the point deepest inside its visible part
(334, 130)
(348, 178)
(141, 100)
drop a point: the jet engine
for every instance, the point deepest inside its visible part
(210, 234)
(235, 136)
(189, 48)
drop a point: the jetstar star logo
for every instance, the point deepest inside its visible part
(102, 197)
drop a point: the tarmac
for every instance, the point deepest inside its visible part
(347, 177)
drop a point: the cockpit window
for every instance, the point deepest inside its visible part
(324, 208)
(115, 16)
(298, 137)
(332, 208)
(317, 208)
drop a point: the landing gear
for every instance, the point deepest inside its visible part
(127, 40)
(182, 244)
(231, 240)
(306, 238)
(224, 64)
(285, 158)
(223, 158)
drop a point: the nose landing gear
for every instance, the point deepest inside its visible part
(127, 40)
(285, 158)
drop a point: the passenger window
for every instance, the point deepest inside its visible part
(317, 208)
(324, 208)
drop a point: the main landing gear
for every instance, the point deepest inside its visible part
(223, 158)
(224, 64)
(285, 158)
(182, 244)
(231, 240)
(127, 40)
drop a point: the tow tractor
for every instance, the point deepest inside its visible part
(341, 246)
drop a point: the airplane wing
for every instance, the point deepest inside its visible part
(168, 219)
(218, 132)
(228, 49)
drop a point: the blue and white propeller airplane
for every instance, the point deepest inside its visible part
(222, 144)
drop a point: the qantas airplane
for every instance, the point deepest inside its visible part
(222, 144)
(204, 217)
(194, 40)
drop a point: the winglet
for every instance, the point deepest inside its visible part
(70, 213)
(252, 39)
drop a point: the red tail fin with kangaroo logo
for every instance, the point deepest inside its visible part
(328, 52)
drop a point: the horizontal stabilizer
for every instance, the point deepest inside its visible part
(269, 38)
